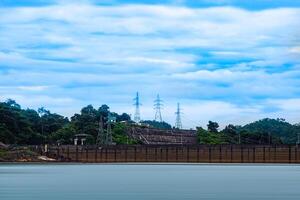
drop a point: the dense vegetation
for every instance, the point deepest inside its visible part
(265, 131)
(28, 126)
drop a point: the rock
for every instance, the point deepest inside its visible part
(45, 158)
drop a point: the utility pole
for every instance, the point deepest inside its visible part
(157, 107)
(178, 112)
(137, 116)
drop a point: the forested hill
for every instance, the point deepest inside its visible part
(28, 126)
(276, 127)
(265, 131)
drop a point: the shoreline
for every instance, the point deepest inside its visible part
(149, 163)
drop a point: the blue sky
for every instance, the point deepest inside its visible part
(232, 61)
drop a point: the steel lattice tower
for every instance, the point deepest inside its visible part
(178, 123)
(111, 119)
(101, 136)
(137, 116)
(157, 107)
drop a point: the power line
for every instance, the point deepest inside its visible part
(178, 112)
(157, 107)
(137, 115)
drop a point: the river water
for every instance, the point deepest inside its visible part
(145, 182)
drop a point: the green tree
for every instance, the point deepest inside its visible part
(64, 135)
(207, 137)
(277, 128)
(120, 134)
(212, 127)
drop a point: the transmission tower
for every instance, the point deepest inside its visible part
(137, 117)
(178, 123)
(111, 119)
(157, 107)
(101, 136)
(104, 136)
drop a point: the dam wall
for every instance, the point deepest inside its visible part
(177, 154)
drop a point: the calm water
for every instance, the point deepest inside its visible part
(142, 182)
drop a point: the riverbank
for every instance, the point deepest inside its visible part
(21, 154)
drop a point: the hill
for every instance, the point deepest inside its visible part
(275, 127)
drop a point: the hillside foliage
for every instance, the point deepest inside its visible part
(28, 126)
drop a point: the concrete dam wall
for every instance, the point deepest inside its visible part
(177, 153)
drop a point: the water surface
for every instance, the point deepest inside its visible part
(148, 182)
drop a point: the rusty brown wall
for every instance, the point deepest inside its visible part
(178, 153)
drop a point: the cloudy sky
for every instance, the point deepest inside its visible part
(231, 61)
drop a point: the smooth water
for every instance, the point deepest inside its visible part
(143, 182)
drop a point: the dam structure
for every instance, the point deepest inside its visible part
(176, 154)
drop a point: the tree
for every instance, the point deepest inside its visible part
(15, 127)
(207, 137)
(104, 111)
(231, 133)
(27, 126)
(230, 129)
(87, 122)
(6, 136)
(64, 135)
(13, 104)
(51, 122)
(19, 126)
(123, 117)
(212, 127)
(120, 136)
(286, 132)
(42, 111)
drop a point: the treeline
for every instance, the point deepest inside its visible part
(28, 126)
(265, 131)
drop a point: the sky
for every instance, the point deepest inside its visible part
(230, 61)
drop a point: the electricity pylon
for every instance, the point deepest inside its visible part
(157, 107)
(101, 136)
(178, 112)
(137, 115)
(105, 136)
(111, 119)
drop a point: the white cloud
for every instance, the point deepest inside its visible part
(113, 34)
(36, 101)
(33, 88)
(295, 50)
(228, 59)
